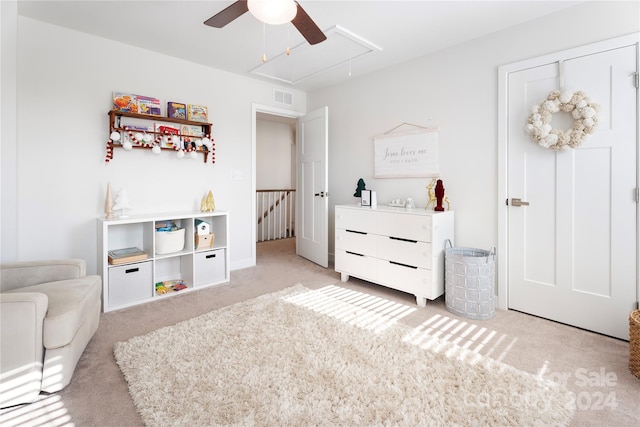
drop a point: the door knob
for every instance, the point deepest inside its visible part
(518, 202)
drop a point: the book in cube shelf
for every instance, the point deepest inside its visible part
(125, 255)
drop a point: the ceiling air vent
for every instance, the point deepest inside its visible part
(282, 97)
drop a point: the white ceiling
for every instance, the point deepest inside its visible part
(404, 30)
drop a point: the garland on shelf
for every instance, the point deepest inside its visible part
(139, 139)
(583, 110)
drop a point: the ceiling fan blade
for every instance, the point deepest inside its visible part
(228, 14)
(307, 27)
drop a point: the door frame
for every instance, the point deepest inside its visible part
(274, 111)
(502, 258)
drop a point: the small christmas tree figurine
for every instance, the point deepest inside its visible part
(108, 202)
(207, 204)
(361, 186)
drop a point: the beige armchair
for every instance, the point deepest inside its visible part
(49, 310)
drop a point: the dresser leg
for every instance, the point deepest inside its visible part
(344, 277)
(421, 301)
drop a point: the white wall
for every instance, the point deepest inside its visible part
(274, 148)
(64, 87)
(455, 89)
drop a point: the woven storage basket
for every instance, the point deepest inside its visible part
(470, 282)
(634, 343)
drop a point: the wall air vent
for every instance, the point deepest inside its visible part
(282, 97)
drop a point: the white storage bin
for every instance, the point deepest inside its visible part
(169, 241)
(130, 283)
(210, 267)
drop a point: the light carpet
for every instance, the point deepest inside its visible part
(280, 360)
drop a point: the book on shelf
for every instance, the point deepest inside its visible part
(189, 131)
(177, 110)
(125, 255)
(148, 105)
(197, 113)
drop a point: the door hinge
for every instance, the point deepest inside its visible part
(636, 77)
(637, 194)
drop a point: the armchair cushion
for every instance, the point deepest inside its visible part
(70, 302)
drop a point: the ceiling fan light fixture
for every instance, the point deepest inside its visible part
(274, 12)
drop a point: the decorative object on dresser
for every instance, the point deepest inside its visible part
(361, 186)
(367, 198)
(398, 248)
(433, 188)
(172, 258)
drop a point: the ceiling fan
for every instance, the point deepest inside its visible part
(296, 15)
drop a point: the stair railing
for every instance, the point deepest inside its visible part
(276, 214)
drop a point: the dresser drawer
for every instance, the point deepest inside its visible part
(362, 266)
(404, 251)
(358, 219)
(405, 226)
(356, 241)
(130, 283)
(414, 280)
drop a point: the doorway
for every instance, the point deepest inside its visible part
(274, 166)
(275, 177)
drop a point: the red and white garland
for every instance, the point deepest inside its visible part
(140, 139)
(582, 109)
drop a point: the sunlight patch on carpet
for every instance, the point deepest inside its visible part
(440, 332)
(353, 307)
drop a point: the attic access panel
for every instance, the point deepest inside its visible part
(306, 61)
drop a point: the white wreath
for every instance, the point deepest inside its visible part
(582, 109)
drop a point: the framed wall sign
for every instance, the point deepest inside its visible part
(406, 154)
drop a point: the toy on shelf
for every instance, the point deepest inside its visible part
(168, 286)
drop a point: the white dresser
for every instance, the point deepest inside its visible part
(398, 248)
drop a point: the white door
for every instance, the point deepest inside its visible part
(312, 204)
(573, 250)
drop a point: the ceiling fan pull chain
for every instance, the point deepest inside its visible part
(350, 58)
(264, 42)
(288, 51)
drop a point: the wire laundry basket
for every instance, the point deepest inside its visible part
(470, 281)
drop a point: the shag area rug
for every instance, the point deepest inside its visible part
(276, 361)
